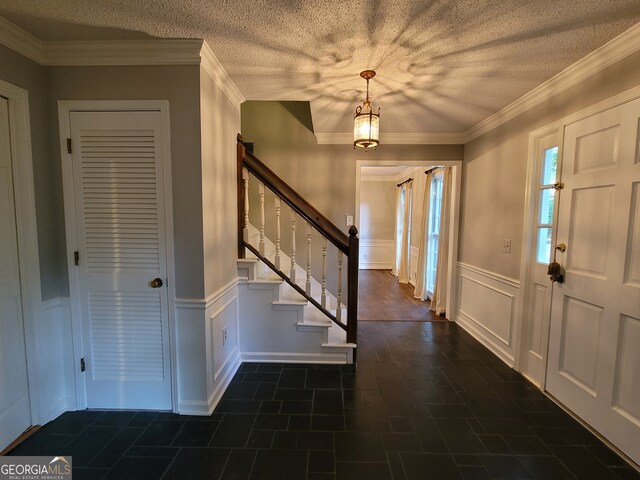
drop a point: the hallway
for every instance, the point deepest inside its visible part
(426, 401)
(382, 298)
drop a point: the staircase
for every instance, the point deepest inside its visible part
(284, 320)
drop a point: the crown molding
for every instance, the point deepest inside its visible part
(21, 41)
(216, 71)
(395, 138)
(625, 44)
(123, 52)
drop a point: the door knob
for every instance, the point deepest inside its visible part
(156, 283)
(555, 272)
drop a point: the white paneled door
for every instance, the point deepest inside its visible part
(15, 415)
(594, 343)
(120, 228)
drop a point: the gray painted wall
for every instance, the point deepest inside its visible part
(181, 86)
(20, 71)
(494, 170)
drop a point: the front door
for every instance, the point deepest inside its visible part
(594, 353)
(120, 226)
(15, 415)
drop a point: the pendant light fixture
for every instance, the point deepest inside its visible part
(366, 124)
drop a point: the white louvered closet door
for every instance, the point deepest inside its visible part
(118, 192)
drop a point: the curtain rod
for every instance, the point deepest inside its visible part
(406, 181)
(431, 169)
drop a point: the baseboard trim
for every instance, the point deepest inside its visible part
(206, 408)
(469, 327)
(285, 357)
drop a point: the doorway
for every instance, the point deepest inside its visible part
(19, 269)
(583, 325)
(389, 217)
(118, 213)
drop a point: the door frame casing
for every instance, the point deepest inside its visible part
(27, 232)
(456, 190)
(529, 223)
(65, 107)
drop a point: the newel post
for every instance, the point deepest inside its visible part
(352, 287)
(241, 195)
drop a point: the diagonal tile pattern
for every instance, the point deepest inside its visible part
(425, 401)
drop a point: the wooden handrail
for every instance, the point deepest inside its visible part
(349, 245)
(291, 198)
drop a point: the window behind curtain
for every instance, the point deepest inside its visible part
(435, 206)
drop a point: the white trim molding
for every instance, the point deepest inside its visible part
(21, 41)
(207, 357)
(625, 44)
(123, 52)
(27, 231)
(288, 357)
(487, 305)
(219, 75)
(376, 254)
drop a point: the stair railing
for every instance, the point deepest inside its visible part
(249, 164)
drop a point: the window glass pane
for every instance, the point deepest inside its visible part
(543, 251)
(435, 205)
(549, 166)
(547, 198)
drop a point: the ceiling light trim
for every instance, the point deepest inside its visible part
(395, 138)
(21, 41)
(620, 47)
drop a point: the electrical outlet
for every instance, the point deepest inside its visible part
(224, 335)
(349, 218)
(506, 245)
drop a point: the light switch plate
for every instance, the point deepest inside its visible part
(506, 245)
(349, 219)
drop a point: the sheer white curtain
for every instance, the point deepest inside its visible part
(439, 297)
(405, 239)
(402, 237)
(398, 231)
(421, 274)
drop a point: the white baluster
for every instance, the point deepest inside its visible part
(292, 272)
(339, 299)
(308, 284)
(261, 195)
(245, 229)
(277, 205)
(323, 295)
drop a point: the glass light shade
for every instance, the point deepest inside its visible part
(366, 130)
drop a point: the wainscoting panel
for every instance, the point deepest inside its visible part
(486, 309)
(206, 360)
(376, 254)
(54, 346)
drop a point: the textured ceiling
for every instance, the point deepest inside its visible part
(442, 66)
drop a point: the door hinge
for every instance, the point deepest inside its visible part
(68, 145)
(558, 186)
(83, 367)
(76, 258)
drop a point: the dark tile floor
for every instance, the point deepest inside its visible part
(426, 402)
